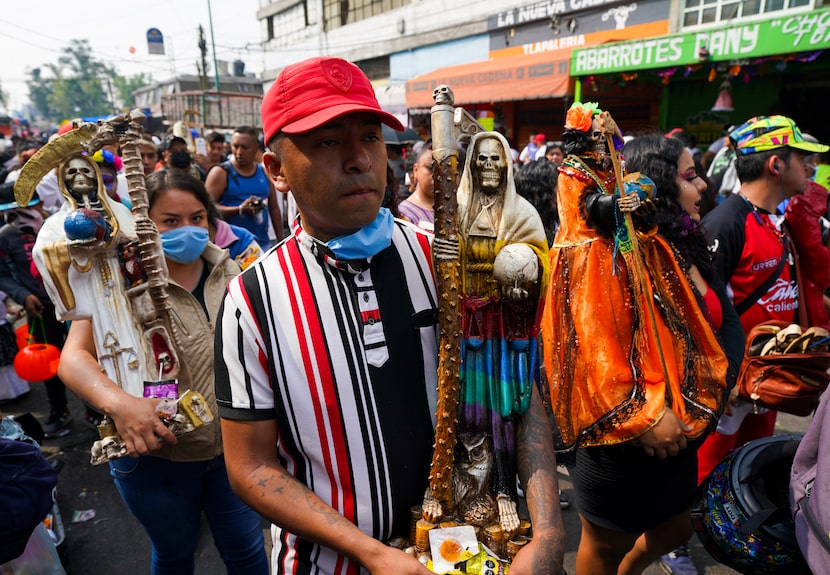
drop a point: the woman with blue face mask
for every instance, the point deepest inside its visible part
(169, 482)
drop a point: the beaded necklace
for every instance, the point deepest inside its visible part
(585, 173)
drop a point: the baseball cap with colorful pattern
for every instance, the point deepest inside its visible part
(763, 133)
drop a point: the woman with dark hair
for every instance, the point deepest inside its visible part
(536, 182)
(169, 482)
(679, 192)
(555, 153)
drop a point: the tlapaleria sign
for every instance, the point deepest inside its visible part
(802, 32)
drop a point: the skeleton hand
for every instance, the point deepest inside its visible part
(638, 191)
(508, 516)
(87, 247)
(607, 125)
(516, 268)
(445, 249)
(431, 508)
(628, 203)
(515, 293)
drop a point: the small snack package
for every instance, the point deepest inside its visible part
(485, 562)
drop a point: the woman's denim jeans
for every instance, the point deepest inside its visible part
(168, 499)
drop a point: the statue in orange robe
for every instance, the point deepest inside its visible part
(607, 381)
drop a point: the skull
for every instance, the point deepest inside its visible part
(491, 164)
(80, 178)
(598, 143)
(443, 95)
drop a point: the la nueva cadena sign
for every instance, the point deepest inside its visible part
(802, 32)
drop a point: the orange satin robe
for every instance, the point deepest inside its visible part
(601, 355)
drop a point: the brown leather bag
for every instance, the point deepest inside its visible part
(791, 381)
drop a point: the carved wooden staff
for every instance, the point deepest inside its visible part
(448, 125)
(127, 130)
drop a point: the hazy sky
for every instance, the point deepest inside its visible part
(34, 32)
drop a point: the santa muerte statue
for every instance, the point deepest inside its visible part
(491, 262)
(624, 337)
(101, 262)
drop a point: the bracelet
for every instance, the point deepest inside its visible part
(240, 209)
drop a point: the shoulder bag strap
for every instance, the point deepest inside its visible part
(802, 304)
(747, 302)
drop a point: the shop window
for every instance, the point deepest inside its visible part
(751, 7)
(700, 12)
(729, 11)
(709, 16)
(337, 13)
(288, 24)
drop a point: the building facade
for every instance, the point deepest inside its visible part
(518, 65)
(190, 98)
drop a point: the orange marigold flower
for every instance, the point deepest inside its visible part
(580, 116)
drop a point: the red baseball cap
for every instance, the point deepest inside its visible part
(310, 93)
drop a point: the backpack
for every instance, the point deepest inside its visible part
(230, 174)
(810, 491)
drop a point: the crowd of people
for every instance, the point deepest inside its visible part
(606, 286)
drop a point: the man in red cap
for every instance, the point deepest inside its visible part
(326, 350)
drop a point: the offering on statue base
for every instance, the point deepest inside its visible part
(493, 537)
(450, 546)
(422, 529)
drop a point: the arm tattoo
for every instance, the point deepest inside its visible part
(536, 465)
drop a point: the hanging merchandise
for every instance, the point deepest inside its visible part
(724, 100)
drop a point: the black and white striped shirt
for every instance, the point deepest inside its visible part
(345, 362)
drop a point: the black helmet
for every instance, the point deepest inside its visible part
(742, 511)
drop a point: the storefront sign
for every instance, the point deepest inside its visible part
(542, 11)
(610, 23)
(520, 78)
(803, 32)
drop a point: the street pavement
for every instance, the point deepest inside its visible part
(113, 542)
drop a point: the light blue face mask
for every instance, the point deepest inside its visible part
(366, 242)
(184, 244)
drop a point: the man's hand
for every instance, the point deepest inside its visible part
(203, 162)
(667, 437)
(139, 425)
(540, 555)
(250, 206)
(393, 560)
(33, 305)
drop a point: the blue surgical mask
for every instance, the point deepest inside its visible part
(366, 242)
(184, 244)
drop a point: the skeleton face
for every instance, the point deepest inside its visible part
(491, 164)
(442, 94)
(598, 143)
(80, 178)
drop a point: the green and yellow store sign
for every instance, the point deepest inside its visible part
(804, 32)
